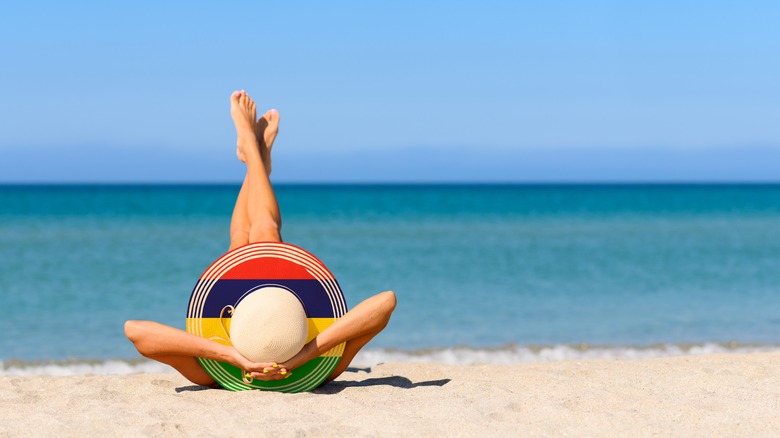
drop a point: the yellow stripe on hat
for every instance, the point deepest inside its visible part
(317, 326)
(212, 328)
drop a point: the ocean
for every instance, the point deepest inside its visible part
(483, 273)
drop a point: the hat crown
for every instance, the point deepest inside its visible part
(269, 325)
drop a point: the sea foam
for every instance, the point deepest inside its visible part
(507, 355)
(514, 354)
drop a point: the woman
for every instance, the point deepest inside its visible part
(256, 218)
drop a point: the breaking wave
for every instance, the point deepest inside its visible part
(506, 355)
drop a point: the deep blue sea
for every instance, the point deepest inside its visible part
(483, 273)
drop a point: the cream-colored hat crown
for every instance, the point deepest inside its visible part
(269, 325)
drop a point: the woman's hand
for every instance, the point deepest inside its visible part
(257, 370)
(268, 371)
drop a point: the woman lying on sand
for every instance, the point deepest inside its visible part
(256, 218)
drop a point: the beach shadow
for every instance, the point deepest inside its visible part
(194, 388)
(337, 386)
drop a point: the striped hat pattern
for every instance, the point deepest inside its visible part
(252, 267)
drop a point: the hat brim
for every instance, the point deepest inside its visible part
(246, 269)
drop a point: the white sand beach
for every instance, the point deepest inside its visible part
(711, 395)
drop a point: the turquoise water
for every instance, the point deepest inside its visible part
(486, 268)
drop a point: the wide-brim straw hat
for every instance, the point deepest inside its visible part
(278, 276)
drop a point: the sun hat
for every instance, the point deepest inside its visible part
(255, 298)
(269, 325)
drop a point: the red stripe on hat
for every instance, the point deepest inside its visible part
(267, 268)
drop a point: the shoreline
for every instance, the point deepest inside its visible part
(712, 394)
(460, 355)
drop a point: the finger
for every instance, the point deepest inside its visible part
(268, 377)
(260, 365)
(267, 372)
(261, 376)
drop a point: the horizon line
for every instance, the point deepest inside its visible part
(401, 183)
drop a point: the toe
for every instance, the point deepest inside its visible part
(234, 97)
(271, 116)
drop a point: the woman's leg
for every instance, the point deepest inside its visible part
(266, 129)
(179, 349)
(256, 216)
(239, 223)
(356, 327)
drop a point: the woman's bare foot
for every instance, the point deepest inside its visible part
(266, 129)
(243, 112)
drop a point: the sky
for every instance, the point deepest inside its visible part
(514, 91)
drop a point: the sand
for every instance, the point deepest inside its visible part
(712, 395)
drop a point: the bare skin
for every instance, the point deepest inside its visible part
(256, 218)
(267, 129)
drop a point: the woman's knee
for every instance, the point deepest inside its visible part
(385, 303)
(136, 330)
(388, 301)
(239, 238)
(265, 231)
(132, 330)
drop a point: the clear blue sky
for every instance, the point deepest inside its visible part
(393, 91)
